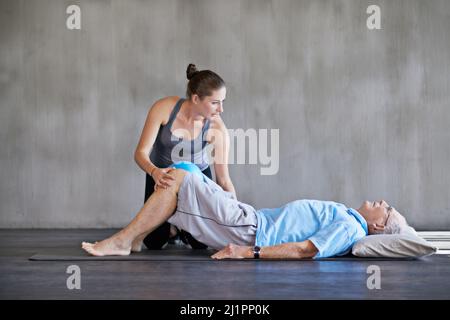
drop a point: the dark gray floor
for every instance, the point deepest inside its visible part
(20, 278)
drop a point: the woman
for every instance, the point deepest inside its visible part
(180, 129)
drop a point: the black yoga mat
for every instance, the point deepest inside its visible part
(182, 254)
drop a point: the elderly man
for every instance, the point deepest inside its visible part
(299, 229)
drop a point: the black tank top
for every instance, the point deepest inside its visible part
(169, 149)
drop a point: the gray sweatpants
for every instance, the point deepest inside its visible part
(212, 215)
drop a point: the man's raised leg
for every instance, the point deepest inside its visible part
(157, 209)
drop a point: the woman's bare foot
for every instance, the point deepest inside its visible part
(173, 231)
(108, 247)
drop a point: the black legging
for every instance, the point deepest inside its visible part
(160, 236)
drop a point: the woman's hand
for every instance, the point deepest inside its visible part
(233, 251)
(162, 178)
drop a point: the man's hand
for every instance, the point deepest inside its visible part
(233, 251)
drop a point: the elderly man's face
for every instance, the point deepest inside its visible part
(376, 214)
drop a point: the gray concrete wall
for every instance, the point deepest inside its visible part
(362, 113)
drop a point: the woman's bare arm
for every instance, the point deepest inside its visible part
(155, 118)
(220, 140)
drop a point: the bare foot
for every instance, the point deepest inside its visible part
(107, 247)
(173, 231)
(136, 245)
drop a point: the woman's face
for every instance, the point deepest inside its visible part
(212, 105)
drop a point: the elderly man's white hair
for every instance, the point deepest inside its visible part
(395, 224)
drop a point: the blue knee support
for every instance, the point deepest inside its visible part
(189, 167)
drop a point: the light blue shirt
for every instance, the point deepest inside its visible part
(331, 226)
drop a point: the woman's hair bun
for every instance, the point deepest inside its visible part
(191, 71)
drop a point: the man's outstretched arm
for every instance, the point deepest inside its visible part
(290, 250)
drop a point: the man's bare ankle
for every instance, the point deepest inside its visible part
(122, 243)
